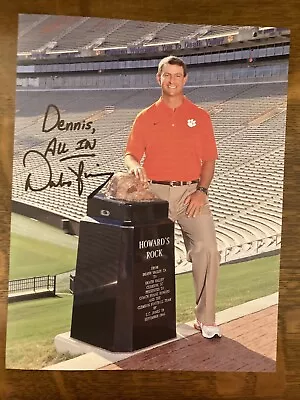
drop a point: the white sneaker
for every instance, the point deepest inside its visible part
(208, 331)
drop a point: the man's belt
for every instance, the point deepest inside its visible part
(174, 183)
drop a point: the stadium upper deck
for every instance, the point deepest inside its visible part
(70, 33)
(45, 35)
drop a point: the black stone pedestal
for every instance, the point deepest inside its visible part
(124, 289)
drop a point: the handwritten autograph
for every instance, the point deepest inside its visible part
(61, 182)
(57, 148)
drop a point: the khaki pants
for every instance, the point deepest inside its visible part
(201, 245)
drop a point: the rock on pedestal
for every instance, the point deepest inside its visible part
(124, 289)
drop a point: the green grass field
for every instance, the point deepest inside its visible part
(33, 257)
(237, 284)
(37, 249)
(31, 328)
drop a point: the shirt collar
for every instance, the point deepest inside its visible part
(162, 106)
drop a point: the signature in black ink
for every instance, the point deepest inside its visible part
(58, 148)
(61, 182)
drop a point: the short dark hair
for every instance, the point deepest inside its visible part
(173, 60)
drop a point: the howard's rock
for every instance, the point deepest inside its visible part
(125, 186)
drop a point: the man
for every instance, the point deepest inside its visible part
(176, 137)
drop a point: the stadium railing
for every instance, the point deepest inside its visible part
(33, 285)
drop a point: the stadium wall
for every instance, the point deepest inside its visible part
(205, 55)
(59, 221)
(217, 74)
(244, 252)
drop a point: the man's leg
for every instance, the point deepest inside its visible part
(201, 245)
(164, 193)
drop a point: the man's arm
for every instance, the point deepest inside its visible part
(207, 173)
(135, 168)
(197, 199)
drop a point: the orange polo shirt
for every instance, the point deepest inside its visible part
(174, 142)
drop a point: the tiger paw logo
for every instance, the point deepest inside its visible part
(191, 123)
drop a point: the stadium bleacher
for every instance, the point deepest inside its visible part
(249, 172)
(39, 31)
(248, 118)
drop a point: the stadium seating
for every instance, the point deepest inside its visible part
(86, 34)
(39, 32)
(249, 122)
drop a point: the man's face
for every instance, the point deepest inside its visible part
(172, 80)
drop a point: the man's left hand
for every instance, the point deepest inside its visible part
(195, 201)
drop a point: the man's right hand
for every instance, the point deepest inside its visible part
(140, 173)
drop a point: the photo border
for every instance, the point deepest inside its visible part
(282, 384)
